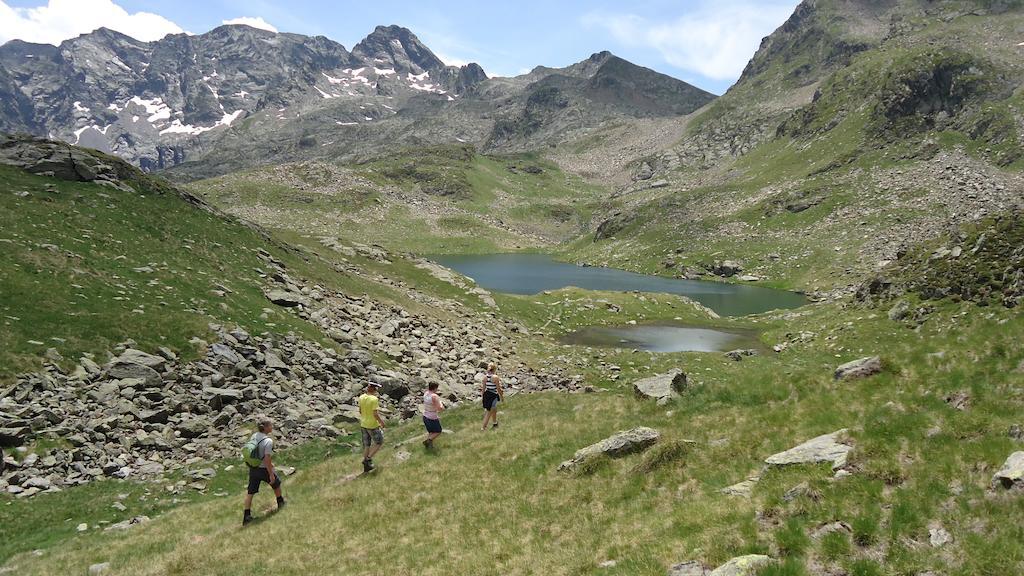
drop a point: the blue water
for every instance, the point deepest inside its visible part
(535, 273)
(662, 338)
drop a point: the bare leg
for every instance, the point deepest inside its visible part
(433, 435)
(494, 416)
(372, 450)
(277, 491)
(487, 418)
(248, 501)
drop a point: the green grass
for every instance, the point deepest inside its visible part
(85, 267)
(511, 509)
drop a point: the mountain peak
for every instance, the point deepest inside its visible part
(398, 48)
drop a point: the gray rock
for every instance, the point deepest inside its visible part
(225, 353)
(221, 396)
(273, 361)
(661, 386)
(939, 537)
(1011, 475)
(689, 568)
(193, 427)
(101, 568)
(742, 566)
(126, 524)
(825, 448)
(124, 370)
(158, 416)
(899, 311)
(860, 368)
(286, 298)
(133, 356)
(615, 446)
(725, 268)
(740, 354)
(742, 489)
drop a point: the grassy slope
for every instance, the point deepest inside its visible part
(495, 500)
(834, 158)
(467, 203)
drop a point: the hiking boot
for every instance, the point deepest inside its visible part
(428, 444)
(281, 503)
(495, 425)
(247, 518)
(367, 466)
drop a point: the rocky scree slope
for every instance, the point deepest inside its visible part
(141, 409)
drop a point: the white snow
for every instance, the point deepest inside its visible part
(367, 118)
(30, 55)
(383, 71)
(177, 127)
(340, 123)
(241, 93)
(78, 107)
(324, 94)
(459, 139)
(418, 77)
(115, 107)
(103, 130)
(155, 107)
(358, 71)
(332, 79)
(135, 118)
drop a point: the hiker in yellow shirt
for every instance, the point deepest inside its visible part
(372, 425)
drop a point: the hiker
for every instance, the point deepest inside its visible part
(259, 451)
(372, 425)
(431, 420)
(492, 393)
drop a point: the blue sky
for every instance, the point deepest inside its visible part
(704, 42)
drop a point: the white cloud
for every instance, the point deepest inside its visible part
(715, 40)
(59, 20)
(450, 61)
(255, 22)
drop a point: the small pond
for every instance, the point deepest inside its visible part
(535, 273)
(663, 338)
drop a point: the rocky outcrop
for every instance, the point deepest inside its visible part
(662, 387)
(616, 446)
(1011, 475)
(860, 368)
(742, 566)
(825, 448)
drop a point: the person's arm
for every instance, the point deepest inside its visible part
(376, 414)
(501, 389)
(483, 385)
(438, 405)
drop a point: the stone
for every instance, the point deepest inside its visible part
(158, 416)
(134, 356)
(661, 386)
(193, 427)
(939, 537)
(742, 566)
(725, 268)
(860, 368)
(221, 396)
(273, 361)
(286, 298)
(202, 474)
(82, 527)
(402, 455)
(740, 354)
(126, 524)
(225, 353)
(101, 568)
(1016, 432)
(742, 489)
(824, 448)
(130, 370)
(14, 435)
(899, 311)
(615, 446)
(959, 400)
(688, 568)
(1011, 475)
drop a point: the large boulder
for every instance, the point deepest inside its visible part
(1011, 475)
(219, 397)
(824, 448)
(286, 298)
(615, 446)
(193, 427)
(661, 387)
(742, 566)
(725, 268)
(134, 356)
(860, 368)
(123, 370)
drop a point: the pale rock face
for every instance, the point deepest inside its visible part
(615, 446)
(1011, 475)
(824, 448)
(742, 566)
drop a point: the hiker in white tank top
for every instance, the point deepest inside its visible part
(492, 393)
(432, 405)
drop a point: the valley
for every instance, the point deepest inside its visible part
(800, 298)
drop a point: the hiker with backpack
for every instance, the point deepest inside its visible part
(257, 455)
(492, 393)
(371, 424)
(432, 405)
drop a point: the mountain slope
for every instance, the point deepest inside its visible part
(156, 103)
(814, 185)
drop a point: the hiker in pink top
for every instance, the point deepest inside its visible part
(432, 405)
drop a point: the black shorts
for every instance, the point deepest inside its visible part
(260, 475)
(433, 426)
(491, 400)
